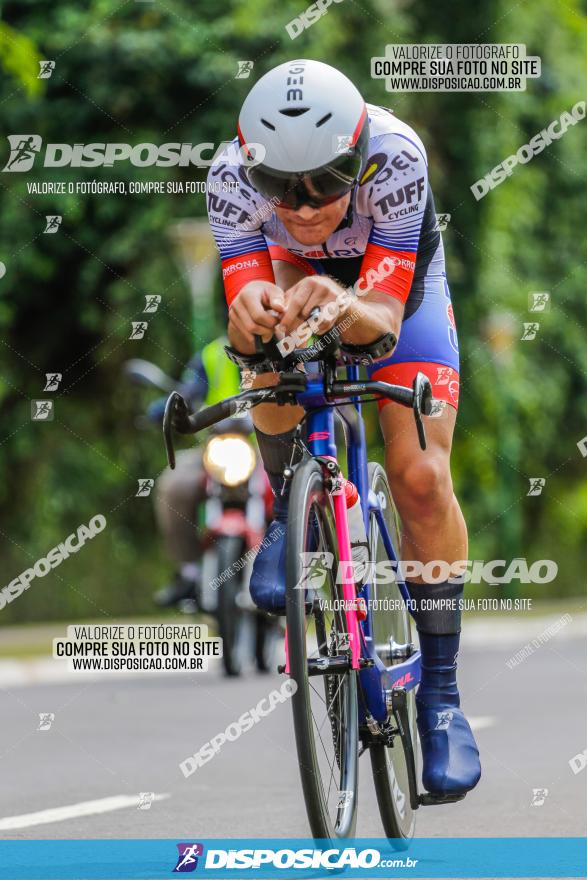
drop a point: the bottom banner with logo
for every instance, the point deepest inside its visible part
(289, 857)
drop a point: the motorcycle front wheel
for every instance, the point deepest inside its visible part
(232, 624)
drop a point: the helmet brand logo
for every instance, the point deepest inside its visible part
(295, 78)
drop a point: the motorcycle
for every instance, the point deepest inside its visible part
(235, 513)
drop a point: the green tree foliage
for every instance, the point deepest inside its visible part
(19, 57)
(158, 72)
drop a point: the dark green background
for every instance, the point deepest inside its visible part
(164, 71)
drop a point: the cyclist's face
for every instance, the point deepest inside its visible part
(314, 225)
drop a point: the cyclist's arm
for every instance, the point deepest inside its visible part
(368, 317)
(249, 284)
(371, 317)
(250, 314)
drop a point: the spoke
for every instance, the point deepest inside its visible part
(330, 765)
(340, 768)
(318, 694)
(334, 696)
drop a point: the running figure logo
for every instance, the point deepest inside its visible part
(53, 380)
(537, 484)
(442, 221)
(315, 567)
(443, 721)
(139, 329)
(343, 144)
(47, 68)
(42, 410)
(539, 302)
(23, 150)
(145, 487)
(53, 223)
(244, 69)
(530, 330)
(152, 302)
(188, 857)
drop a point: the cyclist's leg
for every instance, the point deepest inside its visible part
(433, 525)
(433, 528)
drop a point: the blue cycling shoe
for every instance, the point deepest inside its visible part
(267, 586)
(449, 751)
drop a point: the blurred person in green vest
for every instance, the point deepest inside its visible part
(208, 378)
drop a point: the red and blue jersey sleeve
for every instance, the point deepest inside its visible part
(236, 217)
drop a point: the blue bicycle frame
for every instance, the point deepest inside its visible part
(376, 678)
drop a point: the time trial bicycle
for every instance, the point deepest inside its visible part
(348, 637)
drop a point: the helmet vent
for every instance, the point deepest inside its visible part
(323, 120)
(268, 124)
(297, 111)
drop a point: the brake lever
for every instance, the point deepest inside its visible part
(422, 403)
(176, 416)
(420, 427)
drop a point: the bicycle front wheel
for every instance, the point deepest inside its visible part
(391, 628)
(324, 705)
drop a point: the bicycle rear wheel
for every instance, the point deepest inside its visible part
(324, 706)
(390, 626)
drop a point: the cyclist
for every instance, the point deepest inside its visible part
(208, 378)
(341, 191)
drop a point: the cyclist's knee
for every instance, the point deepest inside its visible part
(422, 486)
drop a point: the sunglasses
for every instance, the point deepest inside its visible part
(310, 202)
(315, 189)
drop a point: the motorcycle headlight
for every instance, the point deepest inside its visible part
(229, 459)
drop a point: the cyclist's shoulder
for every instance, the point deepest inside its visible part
(226, 171)
(389, 135)
(231, 199)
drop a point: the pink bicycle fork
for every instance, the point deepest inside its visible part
(348, 585)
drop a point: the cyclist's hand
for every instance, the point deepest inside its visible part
(320, 292)
(256, 311)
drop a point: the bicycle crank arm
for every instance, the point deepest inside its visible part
(399, 705)
(400, 711)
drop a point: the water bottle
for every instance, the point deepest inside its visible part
(357, 533)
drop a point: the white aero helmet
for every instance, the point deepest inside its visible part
(312, 122)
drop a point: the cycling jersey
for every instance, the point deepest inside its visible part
(391, 214)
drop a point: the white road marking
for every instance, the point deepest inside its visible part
(73, 811)
(47, 671)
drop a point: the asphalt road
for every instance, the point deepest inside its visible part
(118, 737)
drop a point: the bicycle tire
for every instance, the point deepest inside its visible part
(388, 763)
(312, 517)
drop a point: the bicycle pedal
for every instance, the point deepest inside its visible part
(435, 800)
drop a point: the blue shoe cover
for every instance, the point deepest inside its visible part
(267, 586)
(449, 751)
